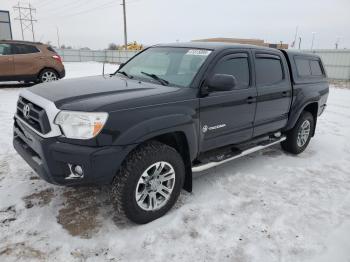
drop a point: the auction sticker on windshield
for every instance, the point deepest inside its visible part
(200, 52)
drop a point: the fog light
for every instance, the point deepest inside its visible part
(76, 172)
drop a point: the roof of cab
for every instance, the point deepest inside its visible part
(213, 45)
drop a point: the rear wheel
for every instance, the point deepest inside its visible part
(48, 75)
(148, 183)
(299, 137)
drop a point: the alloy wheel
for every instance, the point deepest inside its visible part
(304, 133)
(155, 186)
(48, 76)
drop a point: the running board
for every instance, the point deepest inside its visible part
(206, 166)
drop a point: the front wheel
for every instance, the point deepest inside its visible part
(299, 137)
(148, 183)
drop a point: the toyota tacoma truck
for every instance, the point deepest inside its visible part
(168, 112)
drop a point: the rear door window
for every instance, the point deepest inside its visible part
(21, 49)
(269, 70)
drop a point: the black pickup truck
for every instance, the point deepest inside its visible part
(169, 111)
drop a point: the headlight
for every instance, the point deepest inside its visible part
(81, 125)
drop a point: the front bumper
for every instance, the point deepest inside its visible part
(50, 158)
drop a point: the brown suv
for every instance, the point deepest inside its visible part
(29, 62)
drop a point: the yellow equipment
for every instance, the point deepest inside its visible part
(132, 46)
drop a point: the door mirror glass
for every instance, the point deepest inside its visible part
(222, 82)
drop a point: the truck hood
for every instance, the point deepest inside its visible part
(105, 93)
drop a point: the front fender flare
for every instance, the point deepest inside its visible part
(157, 126)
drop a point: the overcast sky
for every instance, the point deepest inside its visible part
(96, 23)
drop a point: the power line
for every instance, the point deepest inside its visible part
(76, 3)
(26, 18)
(133, 1)
(63, 6)
(46, 2)
(106, 5)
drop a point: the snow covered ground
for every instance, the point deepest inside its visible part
(74, 70)
(269, 206)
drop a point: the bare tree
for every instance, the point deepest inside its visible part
(113, 46)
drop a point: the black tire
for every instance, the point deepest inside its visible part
(291, 144)
(48, 75)
(126, 181)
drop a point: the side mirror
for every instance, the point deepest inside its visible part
(222, 82)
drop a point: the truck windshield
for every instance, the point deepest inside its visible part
(166, 65)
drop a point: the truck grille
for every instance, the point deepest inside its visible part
(33, 115)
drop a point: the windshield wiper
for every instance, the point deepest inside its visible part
(125, 74)
(155, 77)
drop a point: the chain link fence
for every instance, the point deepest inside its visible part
(108, 56)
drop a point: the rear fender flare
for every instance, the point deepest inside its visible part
(297, 109)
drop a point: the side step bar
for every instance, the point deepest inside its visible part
(206, 166)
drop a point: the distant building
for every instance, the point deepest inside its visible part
(5, 25)
(258, 42)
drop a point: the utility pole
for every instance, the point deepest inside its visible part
(313, 40)
(125, 31)
(58, 37)
(31, 20)
(295, 36)
(26, 18)
(337, 43)
(299, 43)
